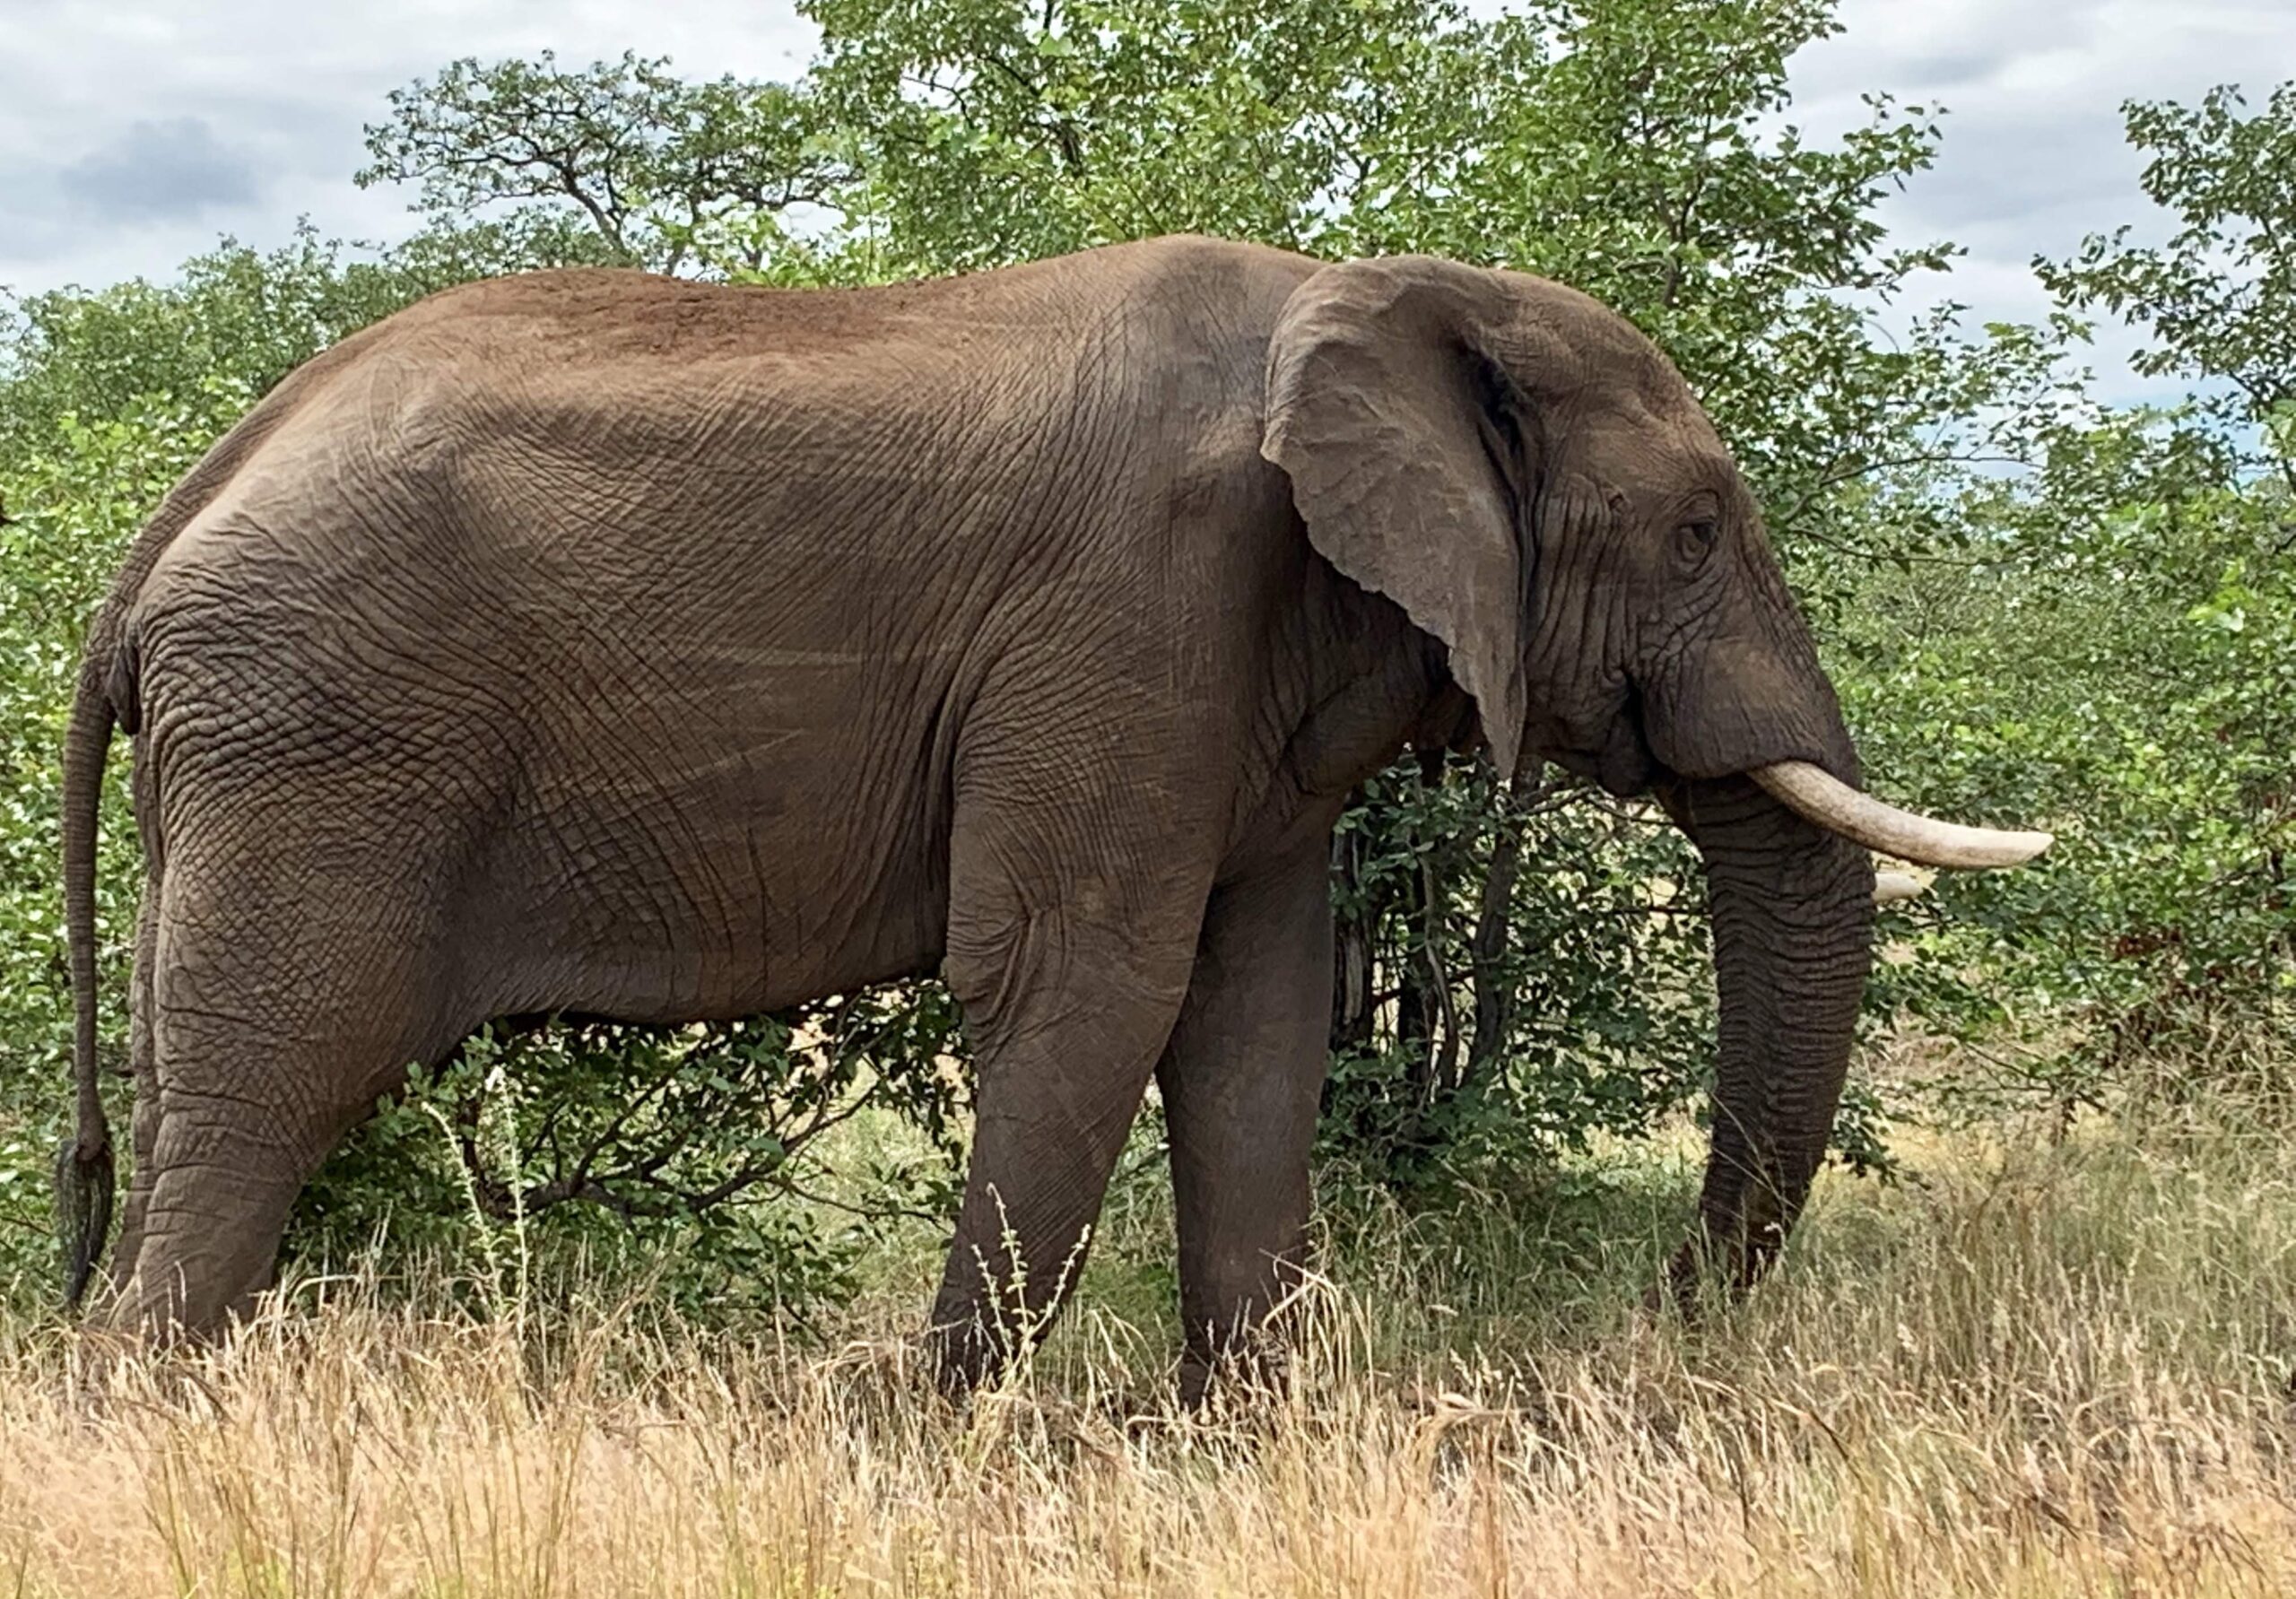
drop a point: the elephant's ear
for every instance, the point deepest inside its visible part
(1391, 410)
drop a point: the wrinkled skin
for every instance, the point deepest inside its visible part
(598, 642)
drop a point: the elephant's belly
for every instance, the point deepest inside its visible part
(708, 899)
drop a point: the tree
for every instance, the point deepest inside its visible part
(235, 321)
(2141, 574)
(2219, 296)
(998, 131)
(664, 172)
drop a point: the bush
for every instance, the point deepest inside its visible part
(689, 1156)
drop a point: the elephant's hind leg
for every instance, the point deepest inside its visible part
(275, 1017)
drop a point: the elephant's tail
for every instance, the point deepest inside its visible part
(83, 1164)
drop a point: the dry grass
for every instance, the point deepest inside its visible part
(2038, 1370)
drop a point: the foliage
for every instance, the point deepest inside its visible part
(2221, 294)
(999, 130)
(235, 322)
(2153, 608)
(1563, 1002)
(75, 501)
(636, 1145)
(2141, 571)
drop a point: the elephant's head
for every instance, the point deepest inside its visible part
(1532, 481)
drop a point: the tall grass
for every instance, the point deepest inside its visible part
(2037, 1365)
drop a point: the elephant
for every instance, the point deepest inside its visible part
(594, 641)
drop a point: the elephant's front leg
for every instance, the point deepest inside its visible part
(1071, 977)
(1241, 1080)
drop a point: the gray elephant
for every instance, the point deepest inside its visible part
(601, 642)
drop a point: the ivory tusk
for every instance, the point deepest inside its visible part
(1817, 795)
(1892, 887)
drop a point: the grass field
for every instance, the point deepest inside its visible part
(2047, 1362)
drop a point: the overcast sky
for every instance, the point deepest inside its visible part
(134, 132)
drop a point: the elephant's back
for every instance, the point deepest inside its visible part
(618, 424)
(608, 313)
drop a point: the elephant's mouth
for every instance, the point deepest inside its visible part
(1615, 752)
(1626, 764)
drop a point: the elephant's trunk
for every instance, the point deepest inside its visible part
(1792, 910)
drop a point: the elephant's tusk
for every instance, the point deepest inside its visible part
(1892, 887)
(1834, 806)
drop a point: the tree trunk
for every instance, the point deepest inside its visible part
(1494, 989)
(1351, 943)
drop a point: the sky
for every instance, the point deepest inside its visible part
(133, 133)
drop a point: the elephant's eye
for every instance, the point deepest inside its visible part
(1695, 539)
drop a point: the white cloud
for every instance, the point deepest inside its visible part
(287, 85)
(2033, 154)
